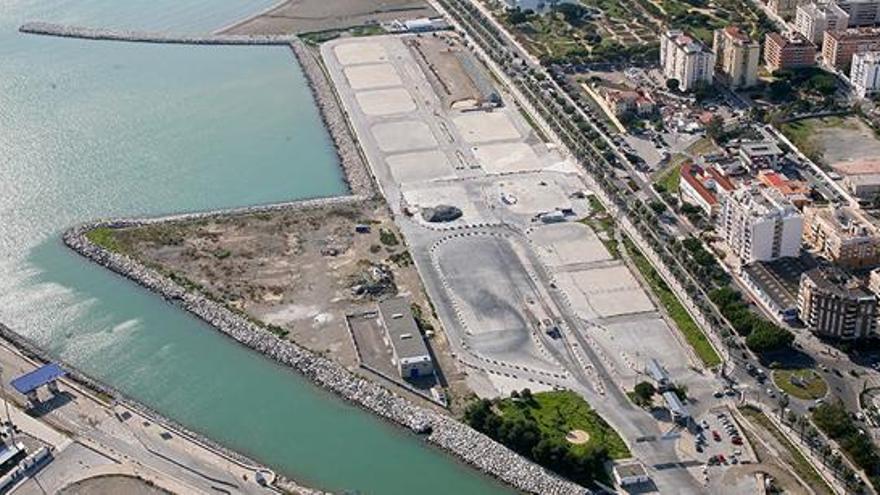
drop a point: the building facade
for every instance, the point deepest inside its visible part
(736, 57)
(838, 48)
(841, 237)
(861, 12)
(784, 8)
(865, 74)
(789, 51)
(814, 19)
(759, 224)
(410, 353)
(832, 304)
(686, 60)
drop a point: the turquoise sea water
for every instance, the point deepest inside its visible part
(98, 129)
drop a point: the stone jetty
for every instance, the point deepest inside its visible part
(87, 33)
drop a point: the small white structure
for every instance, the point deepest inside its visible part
(410, 352)
(865, 73)
(630, 473)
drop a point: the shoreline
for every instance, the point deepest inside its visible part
(444, 432)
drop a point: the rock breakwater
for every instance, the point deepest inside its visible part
(87, 33)
(444, 432)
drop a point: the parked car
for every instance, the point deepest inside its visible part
(716, 436)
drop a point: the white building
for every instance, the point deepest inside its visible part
(813, 19)
(685, 59)
(759, 224)
(736, 57)
(865, 73)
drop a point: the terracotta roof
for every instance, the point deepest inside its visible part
(782, 183)
(736, 33)
(699, 178)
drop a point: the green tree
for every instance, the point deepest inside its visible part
(644, 392)
(673, 84)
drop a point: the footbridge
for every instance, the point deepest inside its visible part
(87, 33)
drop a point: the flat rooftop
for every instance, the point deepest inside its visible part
(779, 279)
(406, 339)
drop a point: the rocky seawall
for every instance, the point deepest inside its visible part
(358, 176)
(87, 33)
(450, 435)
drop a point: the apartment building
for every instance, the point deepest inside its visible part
(784, 8)
(759, 224)
(788, 51)
(795, 191)
(736, 57)
(865, 74)
(841, 236)
(703, 187)
(685, 59)
(835, 305)
(861, 12)
(814, 19)
(838, 48)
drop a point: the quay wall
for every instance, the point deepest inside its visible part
(87, 33)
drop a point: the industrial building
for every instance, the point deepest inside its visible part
(841, 236)
(788, 51)
(834, 304)
(736, 57)
(411, 355)
(686, 60)
(759, 224)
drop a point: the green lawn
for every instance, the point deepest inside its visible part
(812, 386)
(688, 327)
(799, 463)
(670, 177)
(103, 237)
(558, 413)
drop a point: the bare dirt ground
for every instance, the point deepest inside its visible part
(308, 16)
(846, 140)
(109, 485)
(300, 272)
(440, 61)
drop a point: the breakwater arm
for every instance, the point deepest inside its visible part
(87, 33)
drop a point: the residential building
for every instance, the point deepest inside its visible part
(841, 236)
(814, 19)
(685, 59)
(625, 101)
(796, 191)
(860, 177)
(760, 154)
(861, 12)
(759, 224)
(784, 8)
(865, 74)
(833, 304)
(839, 47)
(788, 51)
(702, 187)
(409, 351)
(736, 57)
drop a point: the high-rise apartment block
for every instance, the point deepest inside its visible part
(839, 47)
(736, 57)
(833, 304)
(841, 236)
(865, 74)
(759, 224)
(685, 59)
(861, 12)
(814, 19)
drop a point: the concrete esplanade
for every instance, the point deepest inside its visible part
(86, 33)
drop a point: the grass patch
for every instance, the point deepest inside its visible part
(686, 325)
(803, 383)
(104, 237)
(799, 463)
(601, 222)
(558, 413)
(802, 134)
(388, 238)
(670, 178)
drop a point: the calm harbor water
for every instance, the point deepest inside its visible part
(97, 129)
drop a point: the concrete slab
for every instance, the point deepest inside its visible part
(420, 166)
(605, 292)
(631, 344)
(365, 52)
(372, 76)
(507, 157)
(483, 127)
(409, 135)
(526, 196)
(568, 243)
(383, 102)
